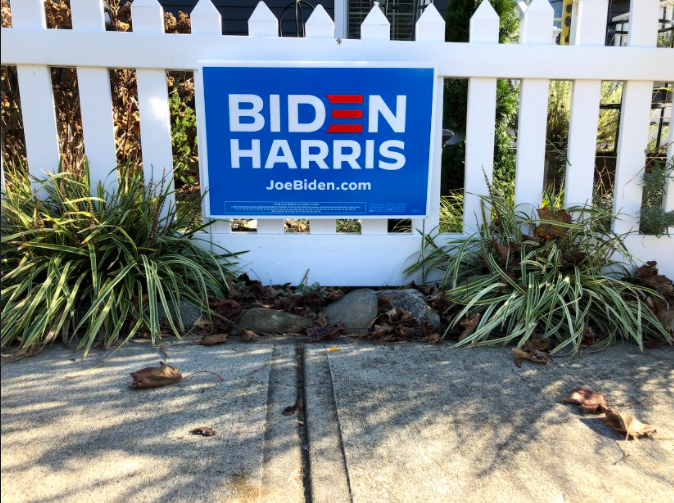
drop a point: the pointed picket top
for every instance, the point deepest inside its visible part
(589, 22)
(538, 23)
(88, 15)
(540, 6)
(375, 26)
(206, 19)
(643, 23)
(147, 16)
(320, 24)
(262, 22)
(431, 26)
(29, 14)
(484, 24)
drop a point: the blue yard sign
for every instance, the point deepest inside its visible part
(317, 141)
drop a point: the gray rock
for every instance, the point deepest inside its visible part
(357, 310)
(268, 321)
(189, 314)
(413, 301)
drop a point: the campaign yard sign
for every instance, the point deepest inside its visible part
(317, 141)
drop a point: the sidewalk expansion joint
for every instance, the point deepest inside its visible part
(339, 428)
(303, 427)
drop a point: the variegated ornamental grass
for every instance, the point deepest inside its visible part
(553, 275)
(98, 267)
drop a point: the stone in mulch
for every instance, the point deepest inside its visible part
(413, 301)
(189, 314)
(357, 310)
(269, 321)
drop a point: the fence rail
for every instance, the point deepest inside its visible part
(375, 257)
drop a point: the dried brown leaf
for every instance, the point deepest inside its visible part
(204, 431)
(588, 401)
(248, 335)
(504, 251)
(227, 307)
(155, 377)
(469, 325)
(212, 340)
(326, 333)
(627, 425)
(536, 343)
(385, 304)
(550, 230)
(533, 355)
(294, 409)
(648, 270)
(203, 323)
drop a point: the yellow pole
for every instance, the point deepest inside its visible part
(567, 12)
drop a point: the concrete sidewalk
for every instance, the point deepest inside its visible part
(380, 423)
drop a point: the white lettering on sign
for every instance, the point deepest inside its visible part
(396, 121)
(235, 113)
(280, 153)
(294, 125)
(317, 157)
(247, 114)
(238, 153)
(385, 151)
(340, 156)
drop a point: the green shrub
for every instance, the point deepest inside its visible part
(451, 206)
(557, 284)
(653, 218)
(451, 212)
(98, 267)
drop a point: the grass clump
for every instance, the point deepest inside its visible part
(552, 276)
(98, 267)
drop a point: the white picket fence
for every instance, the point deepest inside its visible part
(374, 257)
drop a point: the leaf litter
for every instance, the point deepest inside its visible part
(591, 402)
(397, 325)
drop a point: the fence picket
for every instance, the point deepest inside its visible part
(320, 25)
(480, 123)
(37, 97)
(531, 134)
(263, 23)
(206, 19)
(634, 123)
(96, 101)
(590, 29)
(669, 187)
(431, 28)
(155, 120)
(375, 26)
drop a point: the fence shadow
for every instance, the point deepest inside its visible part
(470, 424)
